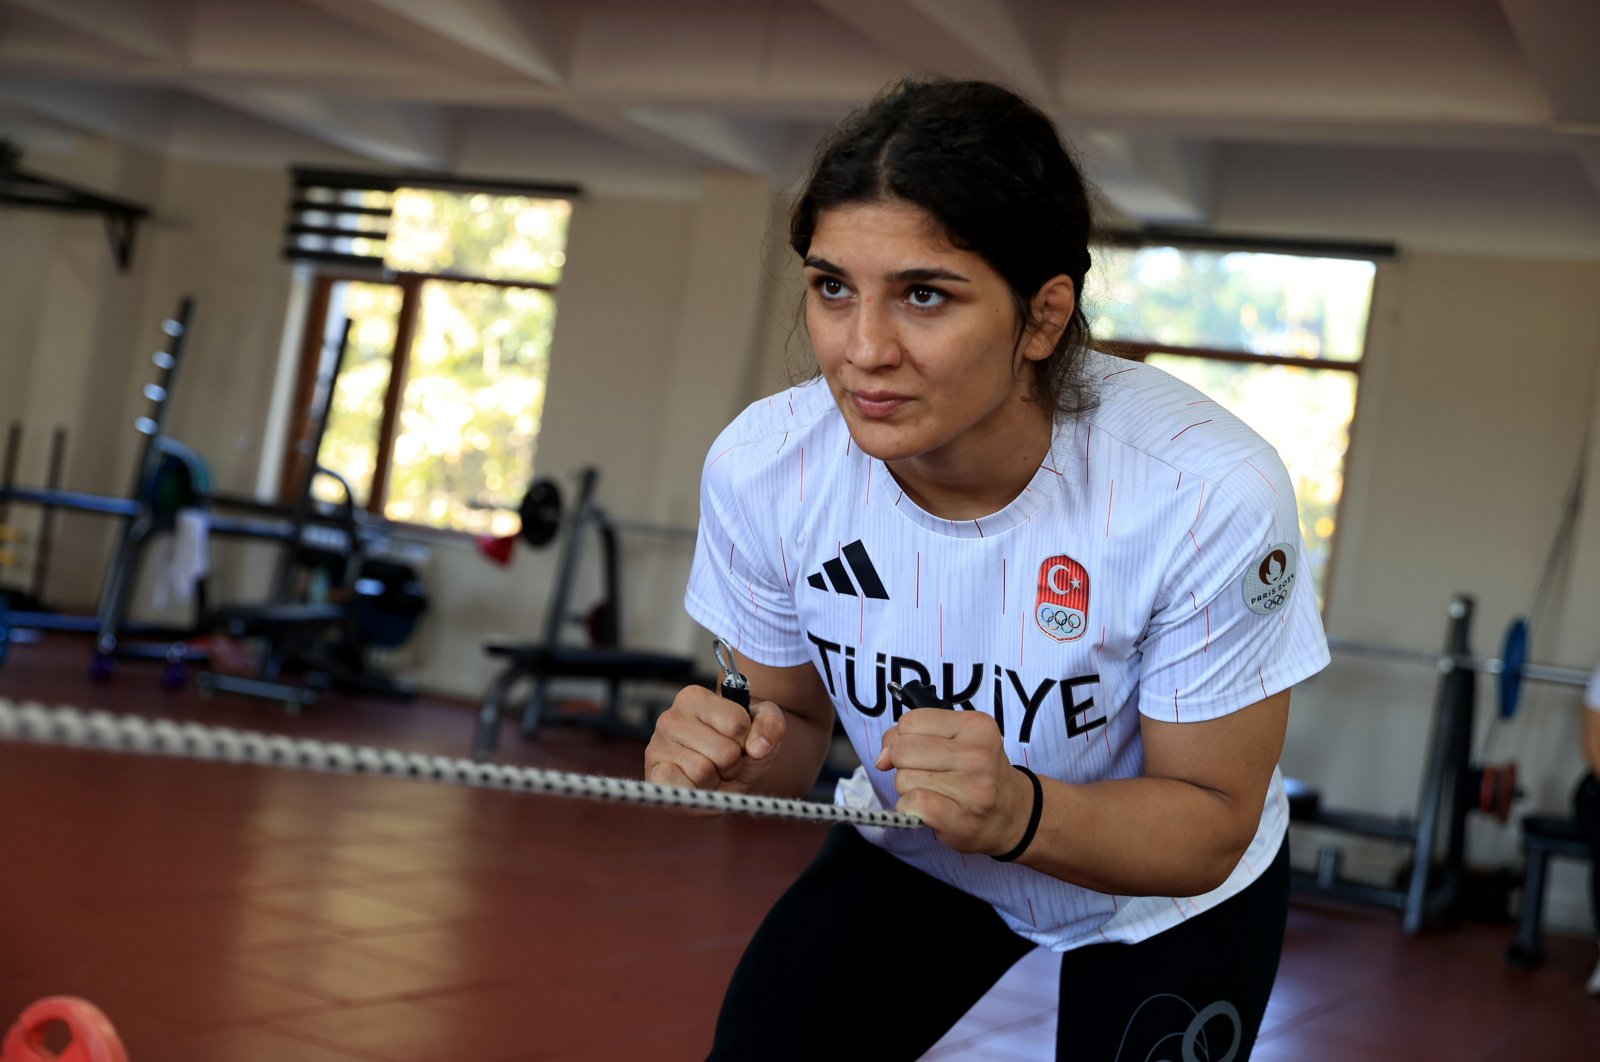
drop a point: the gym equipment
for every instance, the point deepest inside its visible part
(534, 665)
(19, 188)
(92, 1038)
(1452, 785)
(32, 599)
(162, 737)
(170, 477)
(321, 636)
(1542, 837)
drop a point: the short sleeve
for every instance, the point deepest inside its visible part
(738, 589)
(1591, 696)
(1236, 620)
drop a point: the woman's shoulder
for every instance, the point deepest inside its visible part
(1150, 412)
(774, 427)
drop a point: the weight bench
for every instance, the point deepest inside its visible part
(1542, 837)
(538, 664)
(605, 659)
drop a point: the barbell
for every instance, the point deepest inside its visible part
(543, 512)
(1512, 667)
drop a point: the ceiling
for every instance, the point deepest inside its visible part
(1361, 118)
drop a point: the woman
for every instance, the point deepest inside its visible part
(1090, 562)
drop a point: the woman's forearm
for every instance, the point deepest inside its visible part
(1139, 836)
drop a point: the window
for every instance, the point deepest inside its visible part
(435, 417)
(1275, 338)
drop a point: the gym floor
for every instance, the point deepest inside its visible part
(237, 914)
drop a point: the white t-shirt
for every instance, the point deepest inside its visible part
(1152, 566)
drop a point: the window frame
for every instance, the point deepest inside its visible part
(312, 339)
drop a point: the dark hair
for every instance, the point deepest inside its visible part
(992, 170)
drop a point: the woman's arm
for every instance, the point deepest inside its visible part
(1177, 830)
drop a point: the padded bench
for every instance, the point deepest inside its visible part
(539, 664)
(1543, 836)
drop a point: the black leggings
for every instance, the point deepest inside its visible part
(1586, 809)
(867, 957)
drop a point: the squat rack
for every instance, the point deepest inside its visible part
(1451, 783)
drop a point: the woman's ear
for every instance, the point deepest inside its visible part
(1052, 306)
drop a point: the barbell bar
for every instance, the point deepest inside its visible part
(1512, 667)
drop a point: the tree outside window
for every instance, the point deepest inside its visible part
(435, 419)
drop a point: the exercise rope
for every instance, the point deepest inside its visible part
(37, 724)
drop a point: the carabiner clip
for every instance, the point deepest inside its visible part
(735, 687)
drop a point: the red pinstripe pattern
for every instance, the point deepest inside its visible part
(1199, 508)
(1181, 912)
(1260, 675)
(1175, 714)
(782, 443)
(1119, 372)
(1002, 583)
(861, 635)
(730, 556)
(783, 554)
(791, 405)
(980, 529)
(941, 630)
(1201, 402)
(919, 579)
(899, 498)
(1196, 424)
(723, 454)
(802, 470)
(1263, 476)
(1111, 500)
(1196, 541)
(869, 487)
(1022, 638)
(1047, 468)
(1207, 647)
(1031, 916)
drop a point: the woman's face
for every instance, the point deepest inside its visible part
(918, 339)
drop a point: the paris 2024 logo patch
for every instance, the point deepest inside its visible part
(1268, 584)
(1062, 606)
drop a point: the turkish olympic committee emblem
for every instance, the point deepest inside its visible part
(1062, 607)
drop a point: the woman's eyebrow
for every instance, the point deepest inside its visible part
(917, 275)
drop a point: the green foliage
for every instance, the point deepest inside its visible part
(474, 385)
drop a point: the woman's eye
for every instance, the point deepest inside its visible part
(925, 298)
(829, 288)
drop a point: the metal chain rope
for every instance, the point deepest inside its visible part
(37, 724)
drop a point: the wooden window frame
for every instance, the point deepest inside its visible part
(312, 338)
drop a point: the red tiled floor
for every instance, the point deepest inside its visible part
(236, 914)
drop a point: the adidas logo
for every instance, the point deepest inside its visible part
(855, 555)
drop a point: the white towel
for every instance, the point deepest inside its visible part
(180, 560)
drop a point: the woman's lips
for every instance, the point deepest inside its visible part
(876, 405)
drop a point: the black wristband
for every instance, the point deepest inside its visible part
(1033, 818)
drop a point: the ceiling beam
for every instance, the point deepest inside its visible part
(747, 145)
(963, 38)
(1558, 38)
(144, 29)
(414, 136)
(528, 39)
(1154, 180)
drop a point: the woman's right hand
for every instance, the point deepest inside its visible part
(706, 742)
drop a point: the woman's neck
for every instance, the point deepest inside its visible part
(979, 473)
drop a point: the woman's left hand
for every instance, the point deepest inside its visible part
(952, 770)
